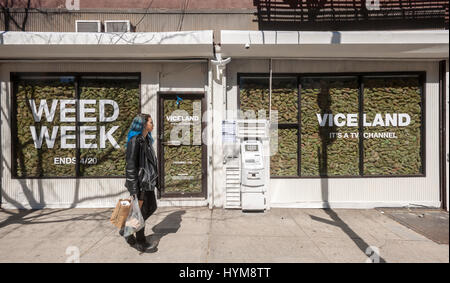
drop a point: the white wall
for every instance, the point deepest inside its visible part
(52, 193)
(354, 192)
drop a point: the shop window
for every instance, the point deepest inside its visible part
(43, 131)
(284, 162)
(392, 126)
(285, 100)
(329, 148)
(357, 125)
(72, 126)
(116, 103)
(254, 97)
(254, 102)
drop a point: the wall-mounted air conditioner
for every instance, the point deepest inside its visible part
(88, 26)
(117, 26)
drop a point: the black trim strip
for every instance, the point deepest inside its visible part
(442, 133)
(360, 126)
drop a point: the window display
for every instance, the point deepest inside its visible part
(72, 126)
(350, 125)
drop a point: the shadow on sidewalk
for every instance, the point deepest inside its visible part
(170, 224)
(362, 245)
(25, 217)
(15, 218)
(325, 103)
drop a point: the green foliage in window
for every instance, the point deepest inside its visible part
(393, 156)
(254, 97)
(284, 162)
(182, 146)
(285, 100)
(182, 169)
(55, 161)
(110, 161)
(322, 153)
(31, 161)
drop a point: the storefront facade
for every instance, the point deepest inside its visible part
(327, 164)
(358, 115)
(65, 117)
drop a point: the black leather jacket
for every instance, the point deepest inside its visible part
(141, 168)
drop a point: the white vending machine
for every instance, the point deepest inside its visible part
(252, 175)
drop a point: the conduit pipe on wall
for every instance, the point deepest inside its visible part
(220, 65)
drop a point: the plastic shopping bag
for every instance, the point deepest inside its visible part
(120, 213)
(135, 221)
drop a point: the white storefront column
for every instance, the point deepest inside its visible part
(218, 110)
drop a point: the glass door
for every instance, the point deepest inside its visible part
(182, 152)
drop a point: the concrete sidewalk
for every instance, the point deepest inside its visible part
(203, 235)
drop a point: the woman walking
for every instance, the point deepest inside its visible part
(141, 172)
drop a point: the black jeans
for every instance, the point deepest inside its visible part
(148, 208)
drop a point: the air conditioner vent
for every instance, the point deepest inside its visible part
(117, 26)
(88, 26)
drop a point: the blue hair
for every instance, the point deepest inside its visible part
(137, 126)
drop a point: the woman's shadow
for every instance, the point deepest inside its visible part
(170, 224)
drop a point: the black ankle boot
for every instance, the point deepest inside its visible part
(131, 240)
(142, 246)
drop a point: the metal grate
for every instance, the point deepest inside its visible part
(233, 186)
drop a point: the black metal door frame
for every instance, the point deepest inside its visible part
(442, 134)
(172, 96)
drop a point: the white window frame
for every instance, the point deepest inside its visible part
(118, 21)
(99, 24)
